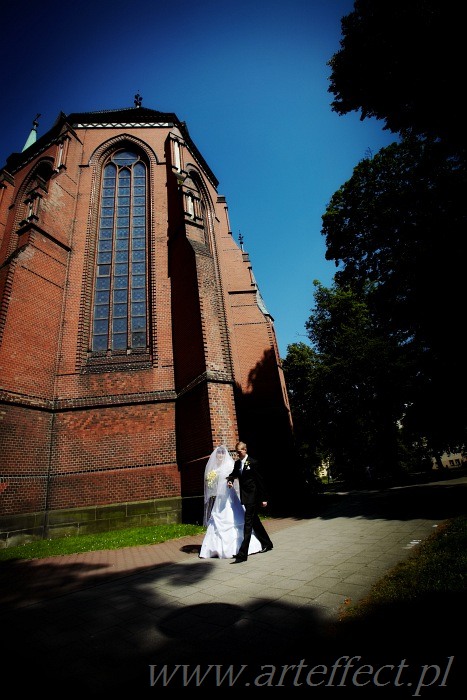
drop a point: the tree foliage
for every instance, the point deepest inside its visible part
(349, 401)
(301, 370)
(400, 220)
(403, 62)
(386, 376)
(398, 224)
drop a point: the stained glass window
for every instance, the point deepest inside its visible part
(120, 309)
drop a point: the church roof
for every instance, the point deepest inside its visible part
(128, 116)
(135, 115)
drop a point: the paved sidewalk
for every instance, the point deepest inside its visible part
(104, 621)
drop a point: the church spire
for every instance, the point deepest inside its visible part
(33, 133)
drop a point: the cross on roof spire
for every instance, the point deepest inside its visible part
(33, 133)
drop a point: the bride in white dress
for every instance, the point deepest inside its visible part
(224, 515)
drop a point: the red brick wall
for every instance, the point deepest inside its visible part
(29, 338)
(25, 448)
(111, 437)
(140, 431)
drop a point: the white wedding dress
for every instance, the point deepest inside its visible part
(224, 533)
(224, 515)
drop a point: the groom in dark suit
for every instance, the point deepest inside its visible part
(253, 496)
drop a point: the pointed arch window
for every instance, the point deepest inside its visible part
(120, 284)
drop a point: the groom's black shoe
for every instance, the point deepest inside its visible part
(266, 549)
(238, 560)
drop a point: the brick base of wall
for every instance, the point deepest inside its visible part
(28, 527)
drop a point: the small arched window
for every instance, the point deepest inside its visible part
(120, 283)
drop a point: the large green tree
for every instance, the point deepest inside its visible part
(345, 389)
(403, 61)
(400, 220)
(388, 373)
(396, 231)
(302, 369)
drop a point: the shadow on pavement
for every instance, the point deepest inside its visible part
(134, 639)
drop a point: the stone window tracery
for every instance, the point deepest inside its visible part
(119, 322)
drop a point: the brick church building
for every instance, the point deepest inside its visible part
(133, 336)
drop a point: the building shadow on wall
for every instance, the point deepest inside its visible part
(264, 423)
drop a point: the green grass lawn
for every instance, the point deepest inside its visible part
(437, 566)
(106, 540)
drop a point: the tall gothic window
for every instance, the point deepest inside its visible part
(120, 311)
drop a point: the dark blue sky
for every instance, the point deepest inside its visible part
(250, 80)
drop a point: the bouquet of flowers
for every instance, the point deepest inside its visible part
(211, 478)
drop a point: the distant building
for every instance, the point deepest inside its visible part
(133, 336)
(450, 460)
